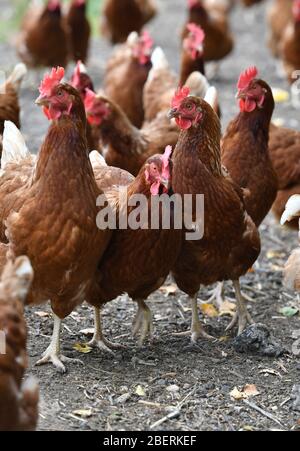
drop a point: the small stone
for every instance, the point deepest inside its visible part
(173, 388)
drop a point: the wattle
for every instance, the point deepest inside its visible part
(184, 124)
(247, 105)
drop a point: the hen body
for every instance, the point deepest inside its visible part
(121, 18)
(125, 77)
(284, 148)
(19, 400)
(43, 41)
(79, 30)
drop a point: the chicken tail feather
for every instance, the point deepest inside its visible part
(17, 76)
(198, 84)
(292, 209)
(158, 59)
(14, 146)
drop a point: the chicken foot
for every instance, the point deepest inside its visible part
(242, 317)
(217, 295)
(52, 353)
(143, 322)
(98, 340)
(197, 331)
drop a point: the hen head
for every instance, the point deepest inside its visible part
(54, 6)
(157, 172)
(81, 79)
(253, 93)
(57, 98)
(194, 4)
(193, 43)
(97, 108)
(187, 110)
(296, 10)
(79, 3)
(142, 48)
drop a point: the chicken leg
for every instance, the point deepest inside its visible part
(98, 340)
(52, 353)
(242, 317)
(143, 322)
(197, 330)
(217, 295)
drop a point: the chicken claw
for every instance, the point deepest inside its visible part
(98, 341)
(242, 317)
(52, 353)
(143, 322)
(197, 330)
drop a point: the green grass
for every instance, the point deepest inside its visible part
(9, 26)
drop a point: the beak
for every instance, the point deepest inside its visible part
(240, 95)
(165, 182)
(42, 101)
(173, 113)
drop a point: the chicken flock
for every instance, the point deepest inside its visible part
(147, 131)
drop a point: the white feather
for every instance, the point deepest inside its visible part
(211, 96)
(14, 146)
(17, 75)
(198, 84)
(292, 209)
(295, 94)
(96, 159)
(158, 59)
(132, 39)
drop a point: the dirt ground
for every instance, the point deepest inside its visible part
(135, 388)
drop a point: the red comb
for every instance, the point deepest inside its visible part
(246, 77)
(197, 32)
(193, 3)
(143, 48)
(50, 81)
(179, 96)
(89, 99)
(76, 75)
(296, 10)
(165, 161)
(53, 5)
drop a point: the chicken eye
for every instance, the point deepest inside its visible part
(189, 106)
(60, 93)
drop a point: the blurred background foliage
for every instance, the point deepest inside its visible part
(11, 16)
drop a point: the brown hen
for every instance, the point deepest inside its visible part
(121, 18)
(43, 41)
(19, 400)
(290, 45)
(137, 261)
(218, 39)
(279, 15)
(230, 243)
(79, 30)
(125, 146)
(9, 99)
(126, 74)
(284, 148)
(54, 210)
